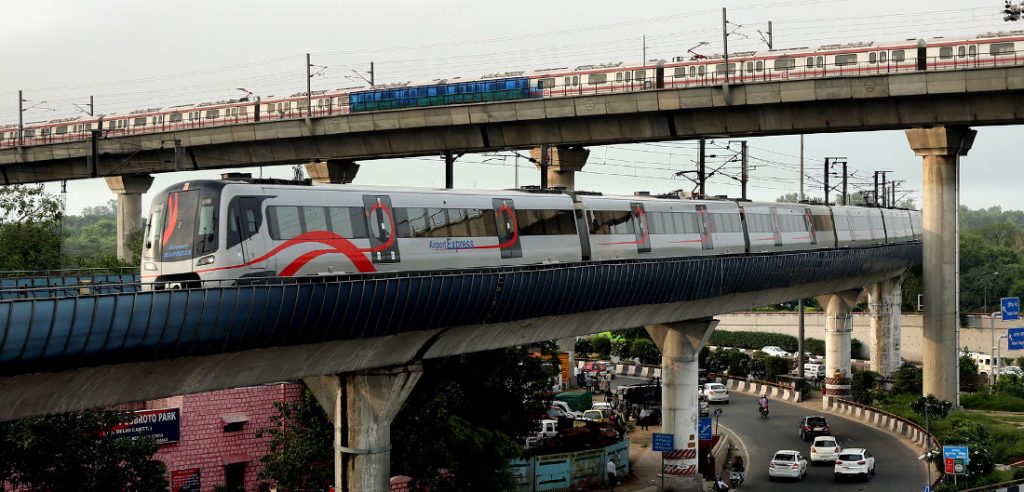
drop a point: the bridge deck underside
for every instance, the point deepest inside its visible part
(45, 335)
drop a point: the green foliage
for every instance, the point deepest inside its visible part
(936, 409)
(969, 379)
(717, 361)
(976, 437)
(1020, 361)
(767, 367)
(856, 349)
(751, 340)
(602, 344)
(988, 401)
(583, 346)
(301, 452)
(466, 416)
(788, 198)
(29, 228)
(908, 379)
(76, 451)
(737, 363)
(863, 386)
(1010, 384)
(645, 350)
(623, 348)
(814, 346)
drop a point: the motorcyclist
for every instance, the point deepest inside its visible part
(719, 485)
(737, 466)
(762, 404)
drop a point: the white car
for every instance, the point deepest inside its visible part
(715, 392)
(787, 464)
(824, 449)
(1014, 370)
(775, 351)
(855, 462)
(601, 405)
(564, 407)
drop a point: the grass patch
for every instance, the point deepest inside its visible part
(988, 401)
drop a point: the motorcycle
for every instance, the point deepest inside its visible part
(763, 411)
(735, 479)
(719, 486)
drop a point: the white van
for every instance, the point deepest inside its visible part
(812, 370)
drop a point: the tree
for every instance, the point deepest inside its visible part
(976, 438)
(29, 228)
(76, 451)
(583, 347)
(937, 409)
(301, 445)
(789, 198)
(969, 379)
(862, 386)
(645, 350)
(466, 416)
(602, 344)
(1012, 12)
(908, 379)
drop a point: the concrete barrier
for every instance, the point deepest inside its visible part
(756, 387)
(894, 424)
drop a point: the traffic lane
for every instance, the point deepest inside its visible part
(896, 464)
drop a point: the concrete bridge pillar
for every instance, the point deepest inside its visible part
(838, 335)
(563, 163)
(880, 308)
(129, 189)
(941, 148)
(896, 330)
(361, 405)
(680, 345)
(332, 171)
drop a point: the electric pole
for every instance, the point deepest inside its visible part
(770, 46)
(309, 93)
(743, 170)
(846, 199)
(701, 169)
(21, 120)
(543, 167)
(371, 74)
(826, 181)
(725, 46)
(801, 168)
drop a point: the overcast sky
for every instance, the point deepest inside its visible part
(132, 54)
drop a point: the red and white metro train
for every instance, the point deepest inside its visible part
(242, 230)
(853, 59)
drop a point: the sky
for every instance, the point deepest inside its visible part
(131, 55)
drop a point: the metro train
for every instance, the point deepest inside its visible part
(853, 59)
(244, 230)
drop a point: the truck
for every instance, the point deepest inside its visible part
(578, 400)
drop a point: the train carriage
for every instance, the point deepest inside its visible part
(897, 225)
(858, 226)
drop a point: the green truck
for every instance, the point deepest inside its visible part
(578, 400)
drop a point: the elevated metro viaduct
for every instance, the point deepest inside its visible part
(357, 341)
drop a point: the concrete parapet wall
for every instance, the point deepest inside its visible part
(893, 424)
(756, 387)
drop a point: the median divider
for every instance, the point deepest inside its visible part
(758, 387)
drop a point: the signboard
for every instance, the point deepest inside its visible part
(185, 480)
(718, 412)
(704, 428)
(949, 465)
(1010, 307)
(1015, 339)
(162, 425)
(956, 459)
(663, 443)
(927, 488)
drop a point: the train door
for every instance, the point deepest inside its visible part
(809, 223)
(922, 55)
(247, 218)
(179, 228)
(642, 231)
(776, 227)
(704, 228)
(508, 229)
(659, 75)
(380, 224)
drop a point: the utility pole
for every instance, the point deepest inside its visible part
(743, 170)
(371, 74)
(826, 181)
(645, 50)
(800, 302)
(257, 108)
(885, 191)
(309, 93)
(875, 195)
(770, 45)
(801, 168)
(544, 167)
(725, 45)
(449, 170)
(846, 198)
(21, 120)
(701, 169)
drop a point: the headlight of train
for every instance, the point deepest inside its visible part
(149, 266)
(206, 260)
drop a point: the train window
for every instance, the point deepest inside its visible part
(140, 121)
(597, 78)
(242, 110)
(45, 132)
(961, 51)
(701, 70)
(629, 76)
(418, 223)
(972, 50)
(848, 59)
(872, 57)
(29, 133)
(1000, 49)
(481, 223)
(458, 224)
(727, 222)
(156, 216)
(175, 117)
(750, 67)
(547, 83)
(898, 56)
(285, 222)
(883, 56)
(213, 113)
(315, 219)
(618, 76)
(575, 80)
(348, 222)
(720, 68)
(946, 52)
(639, 74)
(693, 70)
(680, 72)
(567, 82)
(61, 130)
(656, 223)
(785, 63)
(437, 222)
(759, 66)
(206, 231)
(545, 222)
(810, 62)
(612, 222)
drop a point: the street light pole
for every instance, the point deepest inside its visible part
(992, 354)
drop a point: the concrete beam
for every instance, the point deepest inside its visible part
(680, 345)
(564, 161)
(940, 149)
(129, 189)
(332, 171)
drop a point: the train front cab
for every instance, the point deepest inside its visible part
(181, 234)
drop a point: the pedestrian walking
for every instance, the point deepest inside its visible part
(613, 480)
(645, 416)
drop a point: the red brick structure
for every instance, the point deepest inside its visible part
(218, 435)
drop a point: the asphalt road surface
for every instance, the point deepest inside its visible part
(896, 464)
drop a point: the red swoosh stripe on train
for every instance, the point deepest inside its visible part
(172, 217)
(338, 243)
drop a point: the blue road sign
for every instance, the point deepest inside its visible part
(1010, 308)
(927, 488)
(956, 453)
(718, 412)
(663, 443)
(1015, 339)
(704, 428)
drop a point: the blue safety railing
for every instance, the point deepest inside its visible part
(48, 333)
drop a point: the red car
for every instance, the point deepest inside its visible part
(598, 367)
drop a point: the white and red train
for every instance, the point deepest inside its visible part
(243, 230)
(983, 50)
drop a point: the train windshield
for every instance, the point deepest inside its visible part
(182, 227)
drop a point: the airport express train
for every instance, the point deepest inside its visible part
(244, 230)
(832, 60)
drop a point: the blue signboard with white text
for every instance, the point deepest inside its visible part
(1010, 307)
(956, 453)
(1015, 339)
(663, 443)
(163, 425)
(704, 428)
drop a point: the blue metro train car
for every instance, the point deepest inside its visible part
(441, 94)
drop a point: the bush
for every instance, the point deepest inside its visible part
(751, 340)
(621, 348)
(718, 360)
(814, 346)
(645, 350)
(602, 345)
(738, 363)
(583, 346)
(862, 386)
(908, 379)
(768, 368)
(1010, 384)
(973, 434)
(856, 349)
(937, 409)
(999, 403)
(969, 378)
